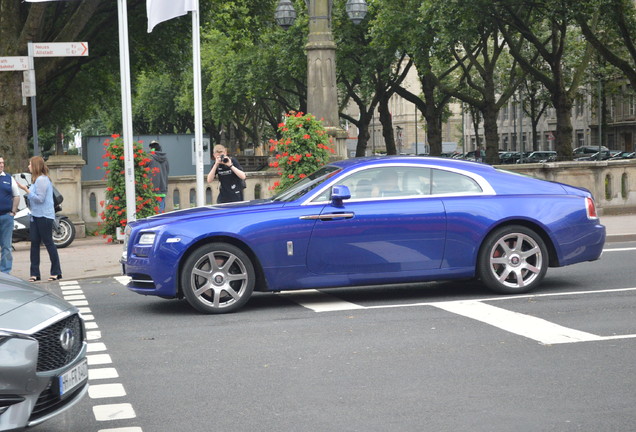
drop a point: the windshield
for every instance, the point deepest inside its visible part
(299, 189)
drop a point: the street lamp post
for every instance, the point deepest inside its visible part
(322, 94)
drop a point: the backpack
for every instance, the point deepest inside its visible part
(58, 198)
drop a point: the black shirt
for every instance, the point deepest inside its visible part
(231, 188)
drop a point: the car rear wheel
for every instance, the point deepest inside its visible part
(217, 278)
(512, 260)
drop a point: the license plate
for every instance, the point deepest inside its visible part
(74, 377)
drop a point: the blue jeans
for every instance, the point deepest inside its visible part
(41, 231)
(6, 237)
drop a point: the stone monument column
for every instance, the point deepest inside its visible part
(322, 92)
(66, 173)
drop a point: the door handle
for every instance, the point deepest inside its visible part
(328, 216)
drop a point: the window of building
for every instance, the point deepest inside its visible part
(176, 199)
(580, 138)
(193, 197)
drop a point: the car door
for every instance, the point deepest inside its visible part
(393, 226)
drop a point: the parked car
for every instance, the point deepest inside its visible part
(603, 155)
(474, 155)
(509, 157)
(624, 155)
(588, 151)
(43, 367)
(539, 156)
(367, 221)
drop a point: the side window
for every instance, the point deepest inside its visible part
(386, 182)
(448, 182)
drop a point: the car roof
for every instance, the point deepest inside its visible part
(424, 160)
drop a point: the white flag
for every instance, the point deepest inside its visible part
(163, 10)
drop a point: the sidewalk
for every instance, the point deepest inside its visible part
(88, 257)
(92, 257)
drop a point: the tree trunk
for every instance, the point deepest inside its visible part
(433, 116)
(14, 123)
(363, 134)
(387, 127)
(491, 133)
(563, 106)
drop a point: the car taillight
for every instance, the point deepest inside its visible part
(591, 208)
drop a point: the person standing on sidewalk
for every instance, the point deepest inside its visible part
(9, 200)
(40, 195)
(230, 174)
(159, 178)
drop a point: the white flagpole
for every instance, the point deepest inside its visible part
(126, 111)
(198, 105)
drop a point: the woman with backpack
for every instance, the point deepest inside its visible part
(40, 197)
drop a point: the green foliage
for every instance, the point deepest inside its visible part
(304, 146)
(115, 214)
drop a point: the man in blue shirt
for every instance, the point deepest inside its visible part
(9, 199)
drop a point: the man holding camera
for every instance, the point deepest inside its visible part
(230, 176)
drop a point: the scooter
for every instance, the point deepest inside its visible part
(63, 228)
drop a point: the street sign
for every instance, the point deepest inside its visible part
(14, 63)
(28, 85)
(60, 49)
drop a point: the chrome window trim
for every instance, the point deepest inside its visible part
(487, 189)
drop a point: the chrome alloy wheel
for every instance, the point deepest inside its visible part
(516, 260)
(218, 278)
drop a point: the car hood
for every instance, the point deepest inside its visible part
(24, 306)
(217, 210)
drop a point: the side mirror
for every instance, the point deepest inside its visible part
(338, 194)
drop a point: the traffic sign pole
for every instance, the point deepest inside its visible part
(34, 106)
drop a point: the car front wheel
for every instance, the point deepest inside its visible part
(217, 278)
(513, 260)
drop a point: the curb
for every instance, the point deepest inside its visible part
(617, 238)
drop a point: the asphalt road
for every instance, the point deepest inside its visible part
(429, 357)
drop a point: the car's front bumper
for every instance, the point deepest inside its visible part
(27, 397)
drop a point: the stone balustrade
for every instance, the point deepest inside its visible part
(613, 184)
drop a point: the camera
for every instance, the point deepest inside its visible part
(224, 158)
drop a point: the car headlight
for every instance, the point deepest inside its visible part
(147, 238)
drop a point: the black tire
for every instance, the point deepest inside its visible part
(512, 260)
(63, 233)
(217, 278)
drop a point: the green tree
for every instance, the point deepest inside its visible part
(549, 29)
(610, 26)
(488, 75)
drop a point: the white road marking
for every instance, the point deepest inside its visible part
(528, 326)
(319, 301)
(98, 359)
(101, 391)
(74, 297)
(93, 335)
(124, 429)
(79, 303)
(620, 249)
(73, 293)
(102, 373)
(95, 347)
(122, 279)
(114, 412)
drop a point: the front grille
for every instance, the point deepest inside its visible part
(52, 354)
(49, 401)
